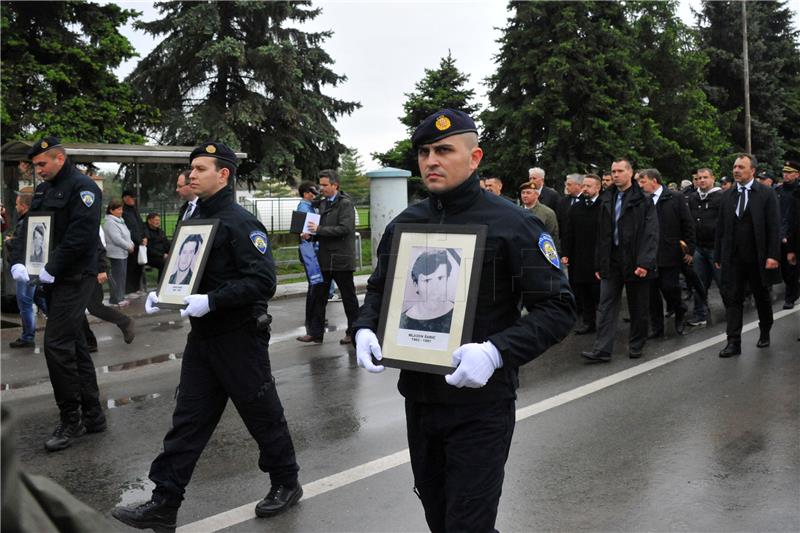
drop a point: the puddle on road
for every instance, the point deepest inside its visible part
(100, 370)
(119, 402)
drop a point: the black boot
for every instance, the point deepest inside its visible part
(129, 331)
(155, 514)
(63, 435)
(763, 339)
(94, 422)
(279, 498)
(731, 349)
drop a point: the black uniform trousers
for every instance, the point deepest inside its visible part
(589, 296)
(667, 284)
(68, 362)
(790, 275)
(458, 454)
(733, 291)
(319, 300)
(637, 291)
(103, 312)
(234, 365)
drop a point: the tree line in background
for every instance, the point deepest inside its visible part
(576, 84)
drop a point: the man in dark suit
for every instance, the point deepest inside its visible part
(189, 208)
(547, 195)
(572, 186)
(674, 228)
(578, 250)
(627, 242)
(747, 250)
(704, 205)
(336, 236)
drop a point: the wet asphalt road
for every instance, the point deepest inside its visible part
(698, 444)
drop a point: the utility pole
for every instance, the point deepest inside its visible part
(746, 63)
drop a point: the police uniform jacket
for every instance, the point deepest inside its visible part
(336, 234)
(74, 200)
(765, 213)
(580, 239)
(638, 233)
(705, 212)
(674, 225)
(514, 270)
(239, 275)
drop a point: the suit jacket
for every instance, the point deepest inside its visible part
(549, 197)
(183, 209)
(763, 206)
(674, 225)
(336, 234)
(563, 205)
(638, 233)
(579, 239)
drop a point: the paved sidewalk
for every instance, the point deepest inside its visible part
(136, 308)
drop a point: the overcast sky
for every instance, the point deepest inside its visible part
(383, 48)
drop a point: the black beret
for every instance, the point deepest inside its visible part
(791, 165)
(443, 123)
(725, 179)
(216, 150)
(129, 192)
(42, 145)
(764, 174)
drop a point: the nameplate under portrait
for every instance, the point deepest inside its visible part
(38, 239)
(431, 294)
(186, 261)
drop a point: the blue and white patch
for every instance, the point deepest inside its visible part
(548, 248)
(88, 198)
(259, 240)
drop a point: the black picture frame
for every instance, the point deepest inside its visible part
(37, 254)
(448, 259)
(177, 282)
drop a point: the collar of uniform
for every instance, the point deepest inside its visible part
(214, 203)
(66, 170)
(460, 198)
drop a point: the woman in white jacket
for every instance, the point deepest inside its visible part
(118, 247)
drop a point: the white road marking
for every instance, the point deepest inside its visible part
(321, 486)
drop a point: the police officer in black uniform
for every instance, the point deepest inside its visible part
(68, 278)
(226, 354)
(460, 426)
(786, 192)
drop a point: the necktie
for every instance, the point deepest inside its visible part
(617, 213)
(189, 210)
(742, 201)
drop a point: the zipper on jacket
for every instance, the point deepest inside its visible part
(440, 207)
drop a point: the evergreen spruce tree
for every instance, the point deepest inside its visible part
(681, 130)
(440, 88)
(243, 73)
(774, 62)
(351, 175)
(57, 73)
(567, 92)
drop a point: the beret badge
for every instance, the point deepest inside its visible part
(211, 149)
(44, 144)
(442, 123)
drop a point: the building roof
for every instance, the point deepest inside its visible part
(108, 153)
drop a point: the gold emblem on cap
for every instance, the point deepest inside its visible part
(442, 123)
(211, 148)
(44, 144)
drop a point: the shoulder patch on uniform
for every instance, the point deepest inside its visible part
(259, 240)
(548, 249)
(88, 198)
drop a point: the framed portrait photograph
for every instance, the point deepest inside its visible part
(186, 261)
(38, 241)
(430, 295)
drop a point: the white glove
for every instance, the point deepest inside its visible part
(367, 345)
(45, 276)
(20, 273)
(196, 305)
(475, 365)
(150, 303)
